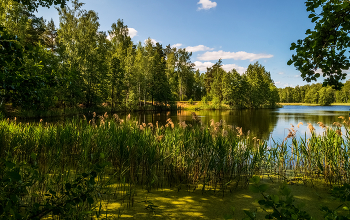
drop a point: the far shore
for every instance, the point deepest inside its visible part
(310, 104)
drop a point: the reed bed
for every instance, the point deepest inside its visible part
(184, 156)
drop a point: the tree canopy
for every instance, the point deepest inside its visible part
(324, 49)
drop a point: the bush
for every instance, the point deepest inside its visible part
(190, 101)
(18, 200)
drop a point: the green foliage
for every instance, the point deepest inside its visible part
(325, 46)
(75, 200)
(282, 204)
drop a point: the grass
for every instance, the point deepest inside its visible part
(175, 168)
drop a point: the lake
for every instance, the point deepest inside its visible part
(262, 123)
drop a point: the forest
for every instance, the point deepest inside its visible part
(75, 65)
(315, 94)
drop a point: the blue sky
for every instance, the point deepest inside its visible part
(238, 31)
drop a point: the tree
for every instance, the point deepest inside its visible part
(324, 48)
(326, 96)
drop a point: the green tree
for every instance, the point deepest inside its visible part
(324, 47)
(326, 96)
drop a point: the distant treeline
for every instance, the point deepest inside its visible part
(44, 67)
(315, 94)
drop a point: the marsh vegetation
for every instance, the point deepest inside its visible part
(143, 158)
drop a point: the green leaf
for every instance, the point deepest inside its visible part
(90, 200)
(254, 189)
(33, 156)
(315, 19)
(263, 187)
(255, 179)
(290, 62)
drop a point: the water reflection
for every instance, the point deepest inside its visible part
(262, 123)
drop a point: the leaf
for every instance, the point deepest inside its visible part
(250, 214)
(9, 164)
(255, 179)
(14, 175)
(290, 62)
(90, 200)
(33, 156)
(315, 19)
(263, 187)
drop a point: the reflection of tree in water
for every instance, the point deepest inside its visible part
(259, 122)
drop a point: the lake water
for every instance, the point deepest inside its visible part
(262, 123)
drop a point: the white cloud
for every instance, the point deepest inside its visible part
(176, 45)
(152, 40)
(132, 32)
(288, 85)
(297, 76)
(202, 66)
(241, 55)
(281, 73)
(229, 67)
(198, 48)
(206, 4)
(277, 83)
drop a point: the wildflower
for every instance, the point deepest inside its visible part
(105, 115)
(141, 127)
(94, 114)
(150, 125)
(128, 117)
(144, 125)
(41, 120)
(84, 117)
(341, 117)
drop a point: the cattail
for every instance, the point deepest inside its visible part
(212, 123)
(300, 123)
(339, 132)
(224, 133)
(311, 128)
(321, 124)
(239, 130)
(337, 124)
(159, 138)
